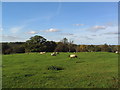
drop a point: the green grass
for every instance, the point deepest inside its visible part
(89, 70)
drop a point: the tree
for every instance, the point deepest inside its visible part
(50, 46)
(35, 44)
(6, 49)
(105, 48)
(18, 49)
(65, 46)
(64, 41)
(91, 48)
(97, 48)
(37, 40)
(61, 47)
(78, 48)
(71, 46)
(83, 48)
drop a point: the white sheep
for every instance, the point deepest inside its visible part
(56, 52)
(117, 52)
(42, 52)
(53, 54)
(73, 56)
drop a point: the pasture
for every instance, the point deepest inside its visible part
(89, 70)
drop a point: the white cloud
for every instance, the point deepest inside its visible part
(109, 24)
(113, 30)
(86, 37)
(97, 28)
(78, 24)
(52, 30)
(32, 32)
(114, 33)
(95, 34)
(68, 34)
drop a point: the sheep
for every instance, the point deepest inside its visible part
(56, 52)
(73, 56)
(53, 54)
(42, 52)
(117, 52)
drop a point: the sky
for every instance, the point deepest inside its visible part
(82, 22)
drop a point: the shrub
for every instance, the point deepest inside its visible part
(55, 68)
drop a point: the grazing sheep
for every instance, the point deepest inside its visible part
(53, 54)
(42, 52)
(73, 56)
(117, 52)
(56, 52)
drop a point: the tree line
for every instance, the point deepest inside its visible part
(40, 44)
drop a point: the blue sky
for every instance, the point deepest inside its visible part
(82, 22)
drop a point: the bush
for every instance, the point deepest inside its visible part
(55, 68)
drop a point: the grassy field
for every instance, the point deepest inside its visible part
(89, 70)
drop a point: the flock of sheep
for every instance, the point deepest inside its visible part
(56, 53)
(71, 56)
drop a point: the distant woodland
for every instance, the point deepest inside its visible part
(40, 44)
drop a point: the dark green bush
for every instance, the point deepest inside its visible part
(55, 68)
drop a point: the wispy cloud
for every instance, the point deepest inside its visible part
(86, 37)
(68, 34)
(93, 35)
(16, 29)
(78, 24)
(38, 31)
(52, 30)
(97, 28)
(1, 29)
(32, 32)
(109, 24)
(109, 33)
(11, 38)
(118, 37)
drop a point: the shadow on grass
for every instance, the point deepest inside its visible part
(80, 61)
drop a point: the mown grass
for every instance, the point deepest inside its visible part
(89, 70)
